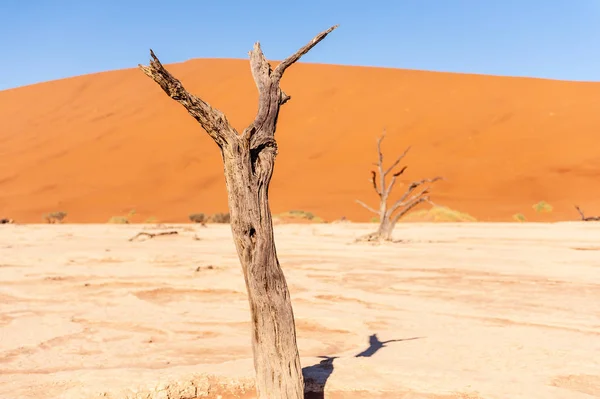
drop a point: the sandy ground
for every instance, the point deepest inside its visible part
(456, 311)
(99, 145)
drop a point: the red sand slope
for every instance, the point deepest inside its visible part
(100, 145)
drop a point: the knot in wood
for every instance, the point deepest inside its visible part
(260, 142)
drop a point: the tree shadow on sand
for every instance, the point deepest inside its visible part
(316, 376)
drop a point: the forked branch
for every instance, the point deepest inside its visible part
(408, 205)
(261, 131)
(411, 188)
(587, 218)
(270, 96)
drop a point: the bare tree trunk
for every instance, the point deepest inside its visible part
(386, 227)
(276, 357)
(248, 165)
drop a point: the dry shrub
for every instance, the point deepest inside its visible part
(438, 213)
(519, 217)
(122, 219)
(202, 218)
(55, 217)
(118, 220)
(343, 219)
(542, 207)
(219, 218)
(197, 218)
(299, 215)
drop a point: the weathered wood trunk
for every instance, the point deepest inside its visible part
(386, 227)
(248, 164)
(276, 357)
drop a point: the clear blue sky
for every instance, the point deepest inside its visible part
(51, 39)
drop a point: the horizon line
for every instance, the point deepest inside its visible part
(365, 66)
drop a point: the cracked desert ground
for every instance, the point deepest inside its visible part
(472, 310)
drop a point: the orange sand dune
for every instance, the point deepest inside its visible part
(100, 145)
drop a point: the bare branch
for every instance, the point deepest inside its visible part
(284, 98)
(415, 197)
(394, 177)
(262, 72)
(397, 161)
(268, 99)
(374, 181)
(211, 119)
(411, 188)
(379, 152)
(367, 207)
(285, 64)
(383, 194)
(270, 96)
(152, 235)
(260, 67)
(400, 172)
(409, 207)
(587, 218)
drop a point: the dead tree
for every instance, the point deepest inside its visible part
(415, 194)
(248, 160)
(587, 218)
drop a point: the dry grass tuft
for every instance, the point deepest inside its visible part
(297, 216)
(438, 214)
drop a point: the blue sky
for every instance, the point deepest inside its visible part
(50, 39)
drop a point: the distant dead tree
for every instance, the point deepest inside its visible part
(248, 165)
(416, 193)
(587, 218)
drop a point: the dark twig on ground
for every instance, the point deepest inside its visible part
(587, 218)
(152, 235)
